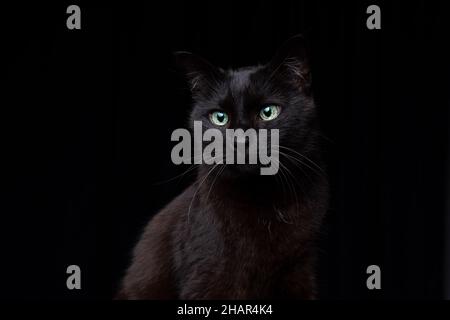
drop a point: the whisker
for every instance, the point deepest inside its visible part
(304, 157)
(297, 164)
(196, 191)
(293, 187)
(212, 184)
(181, 175)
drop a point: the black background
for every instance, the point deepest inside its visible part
(86, 118)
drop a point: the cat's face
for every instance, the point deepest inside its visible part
(272, 96)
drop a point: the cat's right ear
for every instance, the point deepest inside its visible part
(201, 74)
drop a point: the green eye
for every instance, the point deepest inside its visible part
(269, 112)
(219, 118)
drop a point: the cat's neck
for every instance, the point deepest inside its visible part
(249, 199)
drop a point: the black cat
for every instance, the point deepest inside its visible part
(236, 234)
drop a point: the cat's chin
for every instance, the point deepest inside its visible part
(242, 171)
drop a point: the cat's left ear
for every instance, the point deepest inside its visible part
(201, 74)
(291, 63)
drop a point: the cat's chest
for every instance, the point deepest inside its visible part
(236, 265)
(251, 237)
(231, 233)
(235, 258)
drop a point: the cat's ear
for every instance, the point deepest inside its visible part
(201, 74)
(291, 63)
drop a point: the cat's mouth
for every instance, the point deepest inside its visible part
(237, 171)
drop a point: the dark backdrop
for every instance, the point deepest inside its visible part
(86, 118)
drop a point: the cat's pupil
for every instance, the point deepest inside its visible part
(220, 117)
(267, 111)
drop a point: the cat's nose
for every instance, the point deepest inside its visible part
(243, 123)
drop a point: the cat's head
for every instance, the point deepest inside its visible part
(276, 95)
